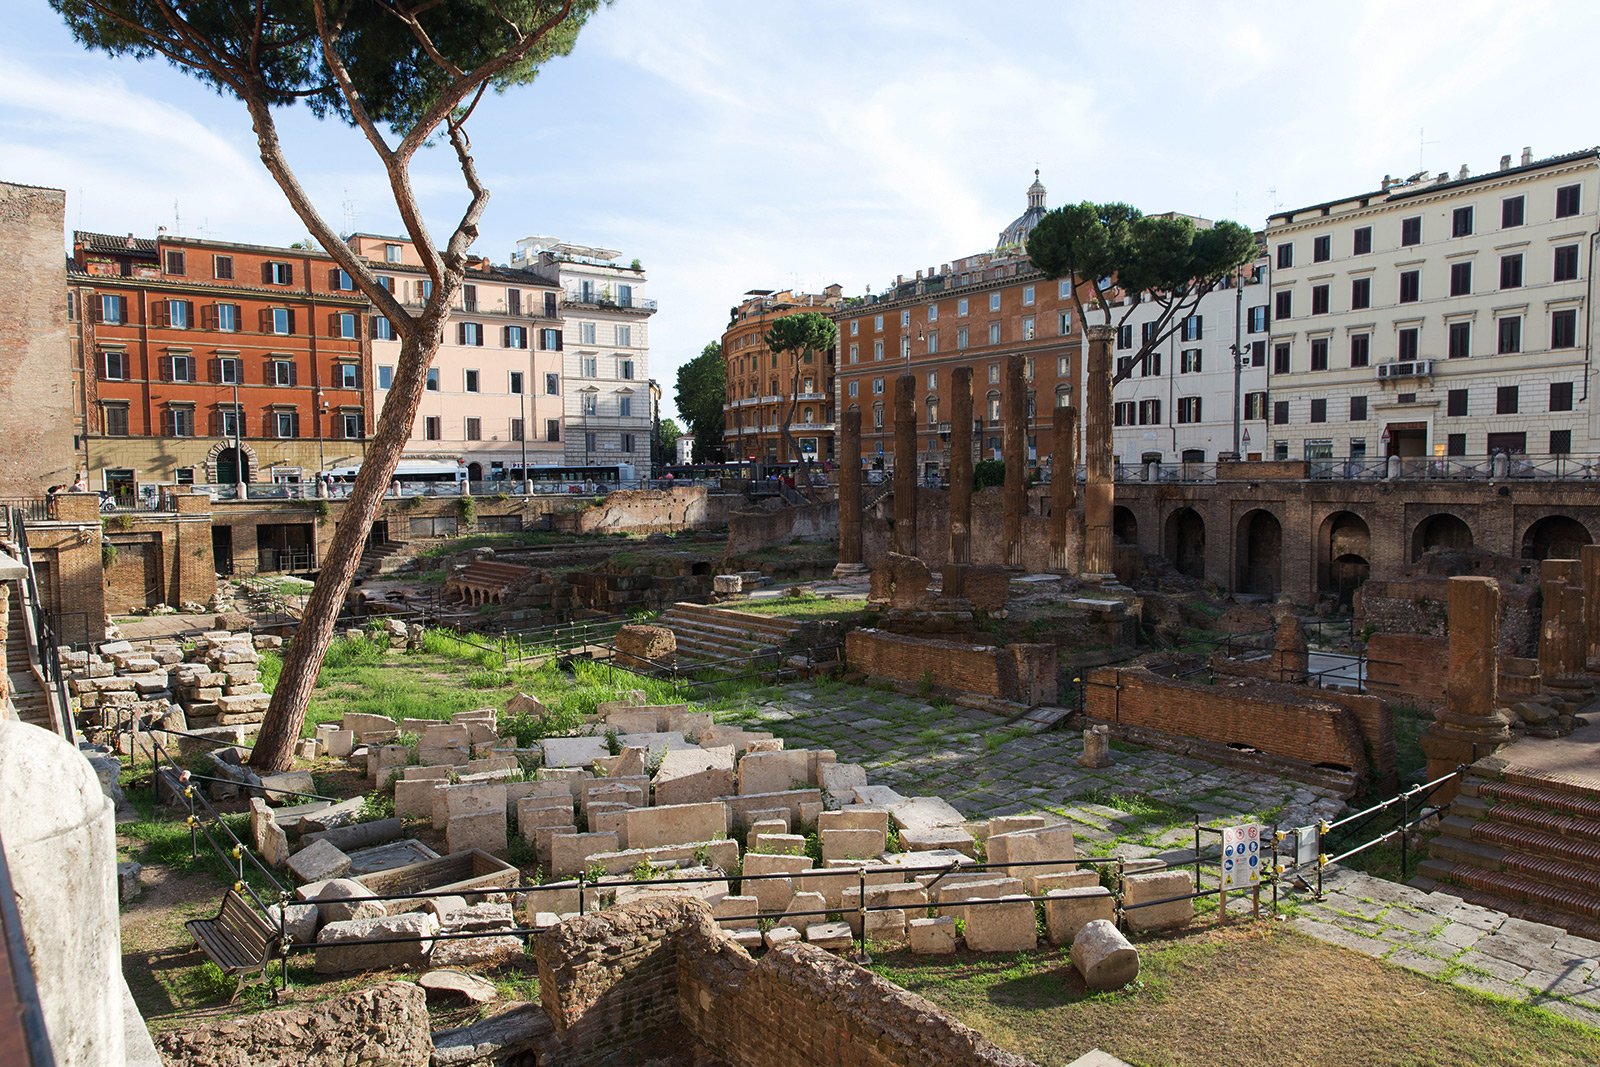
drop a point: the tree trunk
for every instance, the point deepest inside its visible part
(302, 660)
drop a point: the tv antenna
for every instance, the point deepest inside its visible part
(1421, 147)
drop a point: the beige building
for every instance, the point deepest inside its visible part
(494, 393)
(1444, 316)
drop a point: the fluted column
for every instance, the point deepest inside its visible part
(961, 465)
(849, 495)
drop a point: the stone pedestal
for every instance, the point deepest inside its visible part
(1096, 747)
(1469, 726)
(1063, 482)
(1291, 657)
(1099, 490)
(905, 465)
(849, 495)
(1014, 448)
(961, 465)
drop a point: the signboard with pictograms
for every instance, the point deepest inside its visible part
(1241, 856)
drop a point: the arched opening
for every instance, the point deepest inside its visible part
(233, 466)
(1260, 553)
(1444, 531)
(1344, 546)
(1124, 526)
(1555, 537)
(1185, 542)
(475, 472)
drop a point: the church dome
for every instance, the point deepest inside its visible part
(1015, 236)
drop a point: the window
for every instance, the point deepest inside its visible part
(1510, 339)
(1358, 409)
(1258, 319)
(1410, 286)
(433, 379)
(855, 327)
(1564, 328)
(226, 317)
(1027, 328)
(469, 381)
(877, 416)
(286, 423)
(1460, 334)
(1406, 346)
(474, 428)
(1319, 410)
(589, 367)
(1319, 300)
(1283, 305)
(589, 441)
(227, 371)
(1361, 241)
(933, 312)
(905, 319)
(624, 336)
(1560, 442)
(516, 337)
(174, 261)
(1455, 444)
(1568, 201)
(274, 273)
(1411, 231)
(933, 379)
(994, 301)
(589, 404)
(994, 333)
(1455, 404)
(1189, 361)
(962, 306)
(1511, 212)
(1511, 271)
(933, 337)
(1193, 328)
(586, 333)
(552, 383)
(344, 324)
(625, 406)
(339, 280)
(1319, 353)
(469, 333)
(1461, 222)
(627, 442)
(1152, 364)
(1188, 409)
(1149, 413)
(173, 313)
(347, 376)
(280, 321)
(116, 420)
(552, 429)
(385, 377)
(382, 328)
(854, 389)
(1285, 255)
(1566, 268)
(1280, 413)
(514, 383)
(1360, 293)
(1255, 405)
(1258, 354)
(625, 369)
(1360, 349)
(430, 427)
(1280, 359)
(994, 407)
(1461, 278)
(229, 422)
(1321, 249)
(961, 337)
(877, 324)
(1122, 413)
(112, 309)
(280, 372)
(877, 351)
(1505, 400)
(1124, 336)
(1560, 396)
(222, 268)
(855, 353)
(550, 340)
(350, 425)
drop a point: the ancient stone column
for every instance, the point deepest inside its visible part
(905, 465)
(961, 465)
(1063, 482)
(1014, 445)
(1099, 489)
(1590, 558)
(1562, 641)
(1470, 725)
(849, 495)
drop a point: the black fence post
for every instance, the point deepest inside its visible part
(1405, 817)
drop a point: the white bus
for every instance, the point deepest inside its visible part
(411, 478)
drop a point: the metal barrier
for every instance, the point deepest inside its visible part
(44, 645)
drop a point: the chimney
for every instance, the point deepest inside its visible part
(1442, 177)
(1463, 173)
(1527, 155)
(1505, 161)
(1387, 181)
(899, 279)
(919, 274)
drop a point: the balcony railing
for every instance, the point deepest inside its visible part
(600, 299)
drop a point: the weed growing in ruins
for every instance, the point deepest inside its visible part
(645, 871)
(994, 740)
(594, 872)
(613, 742)
(702, 856)
(375, 806)
(207, 983)
(488, 679)
(352, 651)
(892, 840)
(925, 684)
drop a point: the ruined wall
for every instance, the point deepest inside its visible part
(1286, 721)
(690, 507)
(753, 529)
(1415, 667)
(1024, 674)
(67, 563)
(988, 530)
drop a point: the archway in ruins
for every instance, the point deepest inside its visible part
(1344, 547)
(1124, 525)
(1260, 553)
(1184, 542)
(1555, 537)
(1443, 530)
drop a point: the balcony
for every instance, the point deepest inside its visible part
(816, 398)
(598, 298)
(1407, 368)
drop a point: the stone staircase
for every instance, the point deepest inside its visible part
(1524, 844)
(374, 555)
(27, 694)
(707, 634)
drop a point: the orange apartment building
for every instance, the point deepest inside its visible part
(764, 385)
(971, 312)
(201, 362)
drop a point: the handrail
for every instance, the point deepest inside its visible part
(42, 642)
(35, 1034)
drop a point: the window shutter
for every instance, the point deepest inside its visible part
(264, 320)
(505, 337)
(266, 273)
(294, 375)
(159, 314)
(333, 277)
(559, 340)
(288, 274)
(333, 324)
(215, 370)
(164, 365)
(96, 314)
(461, 333)
(208, 317)
(1199, 327)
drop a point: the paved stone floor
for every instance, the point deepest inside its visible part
(1145, 805)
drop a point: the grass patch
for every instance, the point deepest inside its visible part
(1201, 992)
(806, 606)
(996, 739)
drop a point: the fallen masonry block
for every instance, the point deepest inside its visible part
(1157, 885)
(1009, 926)
(933, 838)
(851, 844)
(343, 899)
(781, 935)
(676, 823)
(735, 913)
(1033, 846)
(778, 844)
(1040, 884)
(346, 946)
(888, 925)
(318, 862)
(932, 937)
(854, 818)
(688, 776)
(1104, 957)
(775, 772)
(742, 808)
(387, 857)
(475, 871)
(481, 830)
(1005, 824)
(1067, 911)
(570, 853)
(834, 937)
(722, 854)
(573, 752)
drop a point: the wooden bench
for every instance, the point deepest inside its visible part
(239, 940)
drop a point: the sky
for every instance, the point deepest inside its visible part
(732, 145)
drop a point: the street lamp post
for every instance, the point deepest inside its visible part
(523, 407)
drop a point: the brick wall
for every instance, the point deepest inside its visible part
(1415, 667)
(657, 511)
(1024, 674)
(36, 372)
(987, 540)
(1284, 721)
(753, 529)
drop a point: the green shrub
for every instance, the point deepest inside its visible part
(353, 651)
(467, 510)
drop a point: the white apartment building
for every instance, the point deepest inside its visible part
(494, 393)
(1438, 316)
(605, 351)
(1180, 406)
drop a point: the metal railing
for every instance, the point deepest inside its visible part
(600, 298)
(44, 645)
(29, 1015)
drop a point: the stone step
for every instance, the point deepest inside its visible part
(1433, 876)
(1541, 820)
(744, 620)
(1496, 847)
(1517, 888)
(731, 635)
(1542, 793)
